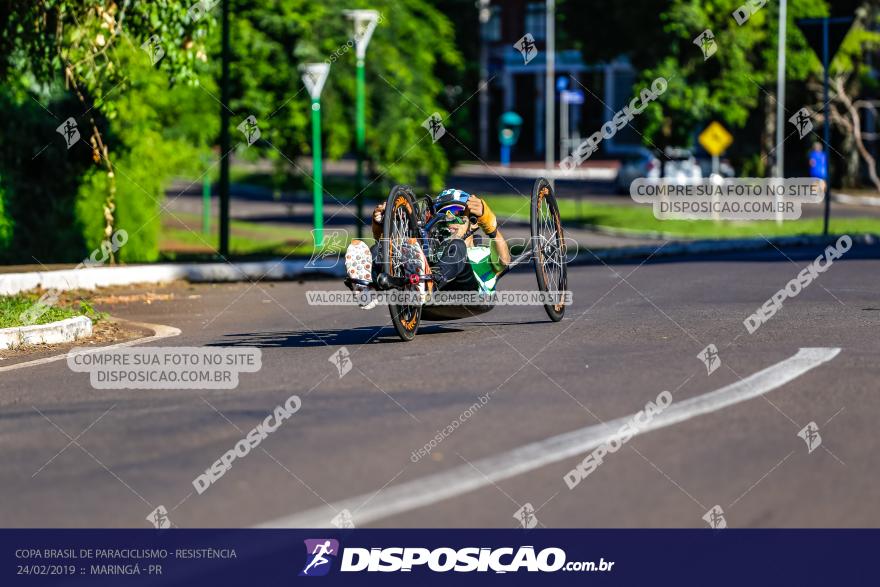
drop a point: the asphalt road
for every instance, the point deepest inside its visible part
(76, 456)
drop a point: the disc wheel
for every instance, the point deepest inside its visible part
(548, 246)
(399, 227)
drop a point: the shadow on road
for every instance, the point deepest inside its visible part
(318, 338)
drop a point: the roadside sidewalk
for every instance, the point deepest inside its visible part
(291, 269)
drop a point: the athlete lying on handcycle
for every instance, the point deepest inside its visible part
(458, 264)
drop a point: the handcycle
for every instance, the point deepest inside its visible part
(408, 220)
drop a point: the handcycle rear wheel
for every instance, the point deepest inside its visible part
(400, 227)
(548, 248)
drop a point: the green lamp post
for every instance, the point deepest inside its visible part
(364, 24)
(314, 75)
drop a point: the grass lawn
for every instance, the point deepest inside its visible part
(11, 307)
(341, 188)
(181, 238)
(641, 218)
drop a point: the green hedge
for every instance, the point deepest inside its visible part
(5, 221)
(52, 197)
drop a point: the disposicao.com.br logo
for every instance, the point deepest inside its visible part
(320, 554)
(442, 560)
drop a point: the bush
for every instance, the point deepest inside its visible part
(52, 208)
(39, 179)
(5, 222)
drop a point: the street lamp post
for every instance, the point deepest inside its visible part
(314, 75)
(780, 91)
(364, 24)
(550, 91)
(780, 101)
(225, 141)
(485, 15)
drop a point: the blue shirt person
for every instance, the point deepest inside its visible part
(818, 162)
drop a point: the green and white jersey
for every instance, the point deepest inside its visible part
(480, 259)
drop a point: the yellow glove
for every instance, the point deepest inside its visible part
(487, 221)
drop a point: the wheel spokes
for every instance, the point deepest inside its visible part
(551, 249)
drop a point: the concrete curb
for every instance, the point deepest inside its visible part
(710, 247)
(67, 330)
(594, 173)
(92, 277)
(160, 331)
(857, 200)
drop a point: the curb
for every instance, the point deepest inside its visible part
(710, 247)
(67, 330)
(857, 200)
(160, 331)
(597, 173)
(92, 277)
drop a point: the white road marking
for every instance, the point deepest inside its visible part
(160, 331)
(465, 478)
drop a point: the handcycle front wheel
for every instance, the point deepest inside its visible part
(400, 227)
(548, 248)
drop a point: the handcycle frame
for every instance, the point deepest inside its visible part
(401, 205)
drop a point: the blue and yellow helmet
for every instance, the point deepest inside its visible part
(451, 202)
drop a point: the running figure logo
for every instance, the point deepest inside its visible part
(810, 435)
(342, 360)
(153, 48)
(526, 516)
(250, 129)
(159, 518)
(802, 122)
(328, 254)
(710, 358)
(320, 552)
(434, 124)
(343, 520)
(715, 518)
(69, 131)
(527, 48)
(706, 43)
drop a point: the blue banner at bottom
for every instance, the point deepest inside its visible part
(400, 557)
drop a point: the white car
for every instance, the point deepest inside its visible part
(681, 166)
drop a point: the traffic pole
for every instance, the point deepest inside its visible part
(206, 204)
(827, 129)
(225, 146)
(317, 177)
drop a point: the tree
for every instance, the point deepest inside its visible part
(851, 77)
(94, 48)
(736, 85)
(411, 45)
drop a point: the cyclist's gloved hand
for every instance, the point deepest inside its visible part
(485, 217)
(378, 217)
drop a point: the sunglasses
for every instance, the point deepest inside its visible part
(450, 218)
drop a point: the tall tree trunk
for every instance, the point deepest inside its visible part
(768, 135)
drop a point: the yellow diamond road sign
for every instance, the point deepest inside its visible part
(715, 139)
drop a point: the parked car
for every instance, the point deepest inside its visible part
(681, 166)
(725, 169)
(637, 164)
(678, 165)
